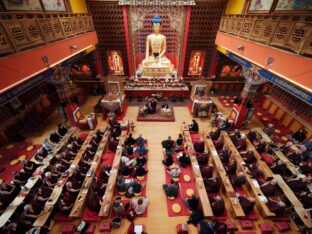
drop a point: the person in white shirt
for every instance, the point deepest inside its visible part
(139, 205)
(174, 172)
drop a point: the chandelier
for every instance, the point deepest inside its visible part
(157, 2)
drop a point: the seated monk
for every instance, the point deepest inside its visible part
(29, 216)
(112, 144)
(248, 156)
(225, 155)
(199, 146)
(241, 143)
(295, 157)
(277, 207)
(54, 137)
(238, 181)
(134, 187)
(260, 146)
(184, 160)
(105, 172)
(169, 159)
(269, 129)
(113, 123)
(41, 154)
(168, 144)
(130, 140)
(280, 168)
(62, 130)
(246, 203)
(191, 203)
(140, 171)
(121, 184)
(29, 166)
(94, 202)
(99, 186)
(65, 206)
(212, 185)
(179, 141)
(298, 184)
(130, 150)
(215, 135)
(269, 187)
(141, 160)
(196, 217)
(202, 158)
(115, 133)
(300, 135)
(9, 190)
(217, 205)
(194, 126)
(141, 150)
(139, 205)
(231, 167)
(4, 203)
(285, 148)
(48, 180)
(126, 171)
(73, 188)
(20, 178)
(305, 167)
(174, 172)
(252, 135)
(306, 199)
(235, 136)
(207, 171)
(171, 190)
(255, 171)
(41, 196)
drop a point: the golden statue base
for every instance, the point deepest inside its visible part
(153, 68)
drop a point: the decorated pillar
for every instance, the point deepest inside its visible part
(243, 111)
(60, 80)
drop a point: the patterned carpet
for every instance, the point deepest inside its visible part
(157, 117)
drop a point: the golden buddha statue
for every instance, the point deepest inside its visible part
(156, 64)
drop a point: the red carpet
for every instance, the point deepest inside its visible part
(157, 117)
(90, 216)
(62, 218)
(8, 155)
(123, 113)
(189, 107)
(227, 101)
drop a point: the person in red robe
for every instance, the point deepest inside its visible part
(217, 205)
(246, 203)
(269, 187)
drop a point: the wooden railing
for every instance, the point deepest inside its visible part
(289, 32)
(21, 31)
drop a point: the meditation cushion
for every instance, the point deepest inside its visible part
(14, 162)
(68, 229)
(140, 177)
(277, 131)
(246, 224)
(227, 104)
(230, 226)
(225, 101)
(10, 146)
(176, 179)
(186, 178)
(22, 157)
(30, 148)
(282, 226)
(189, 192)
(172, 166)
(182, 229)
(90, 229)
(265, 119)
(105, 227)
(284, 138)
(125, 177)
(266, 228)
(137, 194)
(122, 193)
(259, 114)
(171, 198)
(176, 208)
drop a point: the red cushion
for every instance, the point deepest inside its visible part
(282, 226)
(246, 224)
(90, 229)
(104, 226)
(230, 226)
(68, 229)
(182, 229)
(245, 233)
(266, 228)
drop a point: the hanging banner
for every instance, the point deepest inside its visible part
(284, 84)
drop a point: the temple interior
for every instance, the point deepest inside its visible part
(156, 116)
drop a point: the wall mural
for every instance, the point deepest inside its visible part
(54, 5)
(293, 5)
(196, 63)
(22, 5)
(260, 6)
(115, 62)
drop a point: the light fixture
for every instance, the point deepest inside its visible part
(269, 61)
(241, 48)
(45, 59)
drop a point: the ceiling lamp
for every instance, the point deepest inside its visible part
(157, 2)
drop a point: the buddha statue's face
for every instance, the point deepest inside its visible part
(156, 27)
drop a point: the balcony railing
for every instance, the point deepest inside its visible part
(22, 31)
(289, 32)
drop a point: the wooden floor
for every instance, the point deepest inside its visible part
(157, 221)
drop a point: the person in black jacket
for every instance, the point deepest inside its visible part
(62, 130)
(54, 137)
(194, 126)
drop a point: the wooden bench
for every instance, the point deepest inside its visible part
(9, 211)
(203, 196)
(255, 190)
(58, 188)
(82, 195)
(230, 192)
(109, 192)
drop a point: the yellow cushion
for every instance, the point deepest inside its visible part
(30, 148)
(227, 104)
(186, 178)
(231, 100)
(176, 208)
(259, 113)
(10, 146)
(265, 119)
(172, 166)
(284, 138)
(171, 198)
(137, 194)
(189, 192)
(140, 177)
(22, 157)
(14, 162)
(224, 100)
(175, 179)
(122, 193)
(277, 131)
(125, 177)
